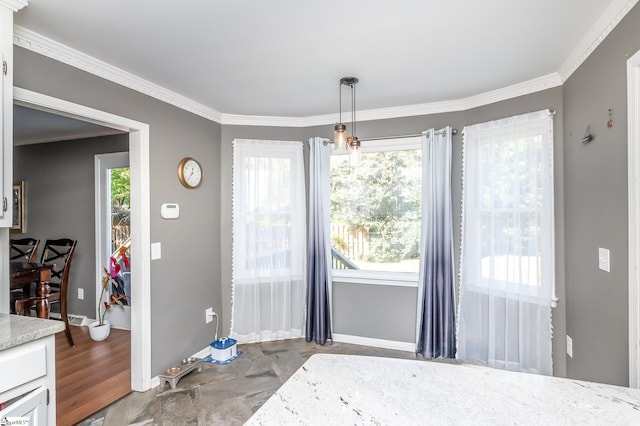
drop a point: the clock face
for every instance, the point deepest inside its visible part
(189, 173)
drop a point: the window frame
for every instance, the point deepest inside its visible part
(243, 274)
(371, 277)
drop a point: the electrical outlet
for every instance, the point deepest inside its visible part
(208, 315)
(80, 293)
(569, 346)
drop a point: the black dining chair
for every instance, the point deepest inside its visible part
(59, 254)
(22, 250)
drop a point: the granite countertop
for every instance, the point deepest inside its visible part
(16, 329)
(358, 390)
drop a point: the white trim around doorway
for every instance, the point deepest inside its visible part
(633, 158)
(140, 219)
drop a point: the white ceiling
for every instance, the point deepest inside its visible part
(284, 58)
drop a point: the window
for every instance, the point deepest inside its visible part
(509, 204)
(268, 210)
(376, 209)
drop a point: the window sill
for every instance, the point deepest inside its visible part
(394, 279)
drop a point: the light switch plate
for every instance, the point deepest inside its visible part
(604, 260)
(156, 251)
(569, 346)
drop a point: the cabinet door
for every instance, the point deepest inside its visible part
(6, 203)
(31, 407)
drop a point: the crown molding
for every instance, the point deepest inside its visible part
(604, 25)
(14, 5)
(520, 89)
(596, 34)
(37, 43)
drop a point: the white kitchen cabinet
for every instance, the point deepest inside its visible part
(28, 379)
(28, 369)
(30, 408)
(6, 116)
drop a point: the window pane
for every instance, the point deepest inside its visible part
(511, 185)
(376, 211)
(120, 181)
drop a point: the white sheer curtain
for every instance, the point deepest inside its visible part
(507, 260)
(269, 240)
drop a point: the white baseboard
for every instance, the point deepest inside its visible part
(155, 382)
(202, 353)
(376, 343)
(86, 321)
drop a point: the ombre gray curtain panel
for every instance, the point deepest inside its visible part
(436, 284)
(318, 325)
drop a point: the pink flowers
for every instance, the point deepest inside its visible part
(113, 276)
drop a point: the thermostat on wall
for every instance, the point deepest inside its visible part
(170, 211)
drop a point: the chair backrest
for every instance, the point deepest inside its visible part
(59, 253)
(23, 250)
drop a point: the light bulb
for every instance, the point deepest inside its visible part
(355, 154)
(339, 139)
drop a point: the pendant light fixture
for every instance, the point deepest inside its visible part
(352, 142)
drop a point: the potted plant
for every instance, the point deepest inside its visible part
(101, 328)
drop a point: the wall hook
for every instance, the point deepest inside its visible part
(588, 137)
(610, 122)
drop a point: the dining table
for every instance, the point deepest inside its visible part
(24, 273)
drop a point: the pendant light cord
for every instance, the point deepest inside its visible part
(353, 110)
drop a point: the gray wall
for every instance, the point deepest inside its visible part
(596, 208)
(187, 279)
(375, 311)
(60, 203)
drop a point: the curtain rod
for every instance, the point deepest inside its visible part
(380, 138)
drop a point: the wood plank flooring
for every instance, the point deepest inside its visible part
(91, 375)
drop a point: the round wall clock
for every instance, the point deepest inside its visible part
(189, 173)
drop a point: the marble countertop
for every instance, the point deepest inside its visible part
(16, 329)
(359, 390)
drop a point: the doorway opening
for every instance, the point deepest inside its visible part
(140, 219)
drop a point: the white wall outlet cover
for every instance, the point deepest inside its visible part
(156, 251)
(604, 262)
(569, 346)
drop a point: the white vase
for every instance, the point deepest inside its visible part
(99, 332)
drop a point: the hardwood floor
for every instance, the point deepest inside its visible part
(90, 375)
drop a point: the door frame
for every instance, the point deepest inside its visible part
(140, 219)
(633, 158)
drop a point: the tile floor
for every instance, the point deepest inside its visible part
(225, 394)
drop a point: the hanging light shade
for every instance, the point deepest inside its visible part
(355, 155)
(340, 137)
